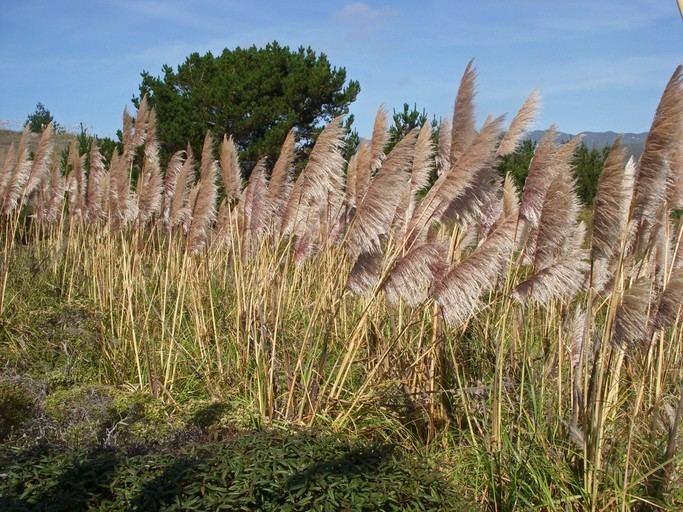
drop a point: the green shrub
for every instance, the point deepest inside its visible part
(256, 471)
(99, 415)
(16, 406)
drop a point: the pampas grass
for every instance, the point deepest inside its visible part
(377, 209)
(462, 126)
(204, 209)
(520, 124)
(231, 171)
(459, 292)
(465, 314)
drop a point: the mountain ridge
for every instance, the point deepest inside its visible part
(634, 142)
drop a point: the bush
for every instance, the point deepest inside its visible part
(101, 416)
(16, 405)
(255, 471)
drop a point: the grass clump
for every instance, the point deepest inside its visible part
(18, 403)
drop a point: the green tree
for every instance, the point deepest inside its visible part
(588, 165)
(517, 163)
(254, 94)
(106, 146)
(40, 118)
(406, 120)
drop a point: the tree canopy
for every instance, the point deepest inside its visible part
(587, 163)
(39, 119)
(254, 94)
(404, 121)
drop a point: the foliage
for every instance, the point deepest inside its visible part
(587, 164)
(252, 471)
(40, 118)
(254, 94)
(516, 164)
(16, 406)
(406, 120)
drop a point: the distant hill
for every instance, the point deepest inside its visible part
(634, 142)
(7, 137)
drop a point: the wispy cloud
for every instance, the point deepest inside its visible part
(363, 19)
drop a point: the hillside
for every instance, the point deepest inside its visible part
(634, 142)
(7, 137)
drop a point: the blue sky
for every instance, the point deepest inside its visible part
(600, 64)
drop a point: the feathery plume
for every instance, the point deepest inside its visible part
(365, 273)
(419, 179)
(175, 164)
(19, 176)
(191, 202)
(6, 169)
(256, 203)
(670, 301)
(422, 161)
(111, 198)
(412, 274)
(150, 188)
(610, 210)
(443, 155)
(478, 200)
(77, 187)
(225, 228)
(96, 175)
(630, 322)
(320, 183)
(558, 216)
(451, 185)
(575, 334)
(678, 261)
(379, 140)
(280, 183)
(539, 178)
(650, 187)
(674, 194)
(149, 192)
(56, 189)
(563, 280)
(459, 292)
(204, 210)
(127, 138)
(519, 125)
(125, 208)
(41, 161)
(180, 213)
(141, 123)
(375, 213)
(363, 172)
(462, 131)
(351, 177)
(305, 243)
(42, 196)
(231, 172)
(510, 197)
